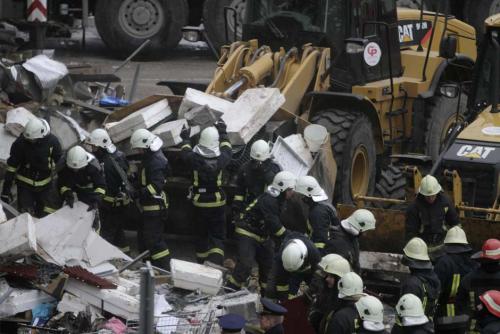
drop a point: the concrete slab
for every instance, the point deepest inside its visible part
(17, 238)
(67, 130)
(250, 112)
(97, 250)
(20, 300)
(194, 98)
(6, 140)
(193, 276)
(202, 116)
(3, 217)
(17, 119)
(288, 159)
(144, 118)
(170, 132)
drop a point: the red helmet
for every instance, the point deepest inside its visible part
(490, 250)
(491, 299)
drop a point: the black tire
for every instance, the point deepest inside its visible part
(120, 25)
(350, 131)
(476, 11)
(391, 184)
(442, 115)
(213, 20)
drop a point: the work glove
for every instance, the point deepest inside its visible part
(185, 133)
(69, 198)
(221, 126)
(6, 195)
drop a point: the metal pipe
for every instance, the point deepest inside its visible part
(235, 87)
(476, 209)
(292, 51)
(146, 308)
(133, 88)
(135, 260)
(379, 199)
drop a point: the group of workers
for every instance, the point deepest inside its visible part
(444, 281)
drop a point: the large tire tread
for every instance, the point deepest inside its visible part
(391, 184)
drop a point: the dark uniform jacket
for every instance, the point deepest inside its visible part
(252, 180)
(152, 179)
(451, 269)
(424, 284)
(426, 328)
(325, 302)
(490, 325)
(261, 218)
(88, 182)
(278, 329)
(427, 221)
(322, 216)
(116, 192)
(207, 175)
(33, 163)
(345, 320)
(345, 245)
(362, 330)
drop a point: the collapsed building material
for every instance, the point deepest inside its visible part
(243, 303)
(17, 238)
(194, 98)
(250, 112)
(144, 118)
(299, 146)
(74, 304)
(3, 216)
(48, 72)
(202, 116)
(193, 276)
(86, 276)
(25, 271)
(7, 140)
(288, 159)
(67, 130)
(17, 119)
(20, 300)
(170, 132)
(383, 262)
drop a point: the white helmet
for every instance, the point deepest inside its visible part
(260, 150)
(337, 266)
(410, 305)
(283, 180)
(36, 128)
(143, 138)
(429, 186)
(100, 138)
(416, 249)
(209, 138)
(362, 220)
(350, 285)
(294, 255)
(77, 158)
(308, 186)
(329, 258)
(456, 235)
(370, 308)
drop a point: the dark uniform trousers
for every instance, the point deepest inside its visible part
(31, 165)
(113, 216)
(211, 224)
(154, 208)
(473, 285)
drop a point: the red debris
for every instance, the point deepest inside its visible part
(86, 276)
(25, 271)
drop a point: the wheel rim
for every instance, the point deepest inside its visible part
(360, 171)
(141, 18)
(239, 7)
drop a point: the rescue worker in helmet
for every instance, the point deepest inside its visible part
(452, 267)
(423, 281)
(82, 176)
(489, 312)
(345, 318)
(295, 262)
(259, 224)
(371, 311)
(31, 165)
(430, 215)
(151, 197)
(208, 160)
(322, 214)
(331, 269)
(254, 177)
(114, 210)
(344, 238)
(474, 284)
(410, 317)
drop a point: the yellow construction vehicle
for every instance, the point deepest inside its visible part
(367, 71)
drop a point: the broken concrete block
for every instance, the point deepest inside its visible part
(170, 132)
(299, 146)
(47, 72)
(20, 300)
(17, 119)
(202, 116)
(243, 303)
(3, 216)
(67, 130)
(7, 140)
(17, 238)
(71, 303)
(195, 98)
(144, 118)
(193, 276)
(382, 262)
(250, 112)
(288, 159)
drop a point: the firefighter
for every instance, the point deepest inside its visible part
(331, 269)
(345, 319)
(271, 317)
(371, 311)
(151, 196)
(259, 222)
(32, 162)
(489, 313)
(410, 317)
(208, 160)
(475, 283)
(430, 215)
(345, 237)
(114, 210)
(322, 214)
(82, 175)
(423, 281)
(452, 267)
(295, 262)
(254, 177)
(231, 323)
